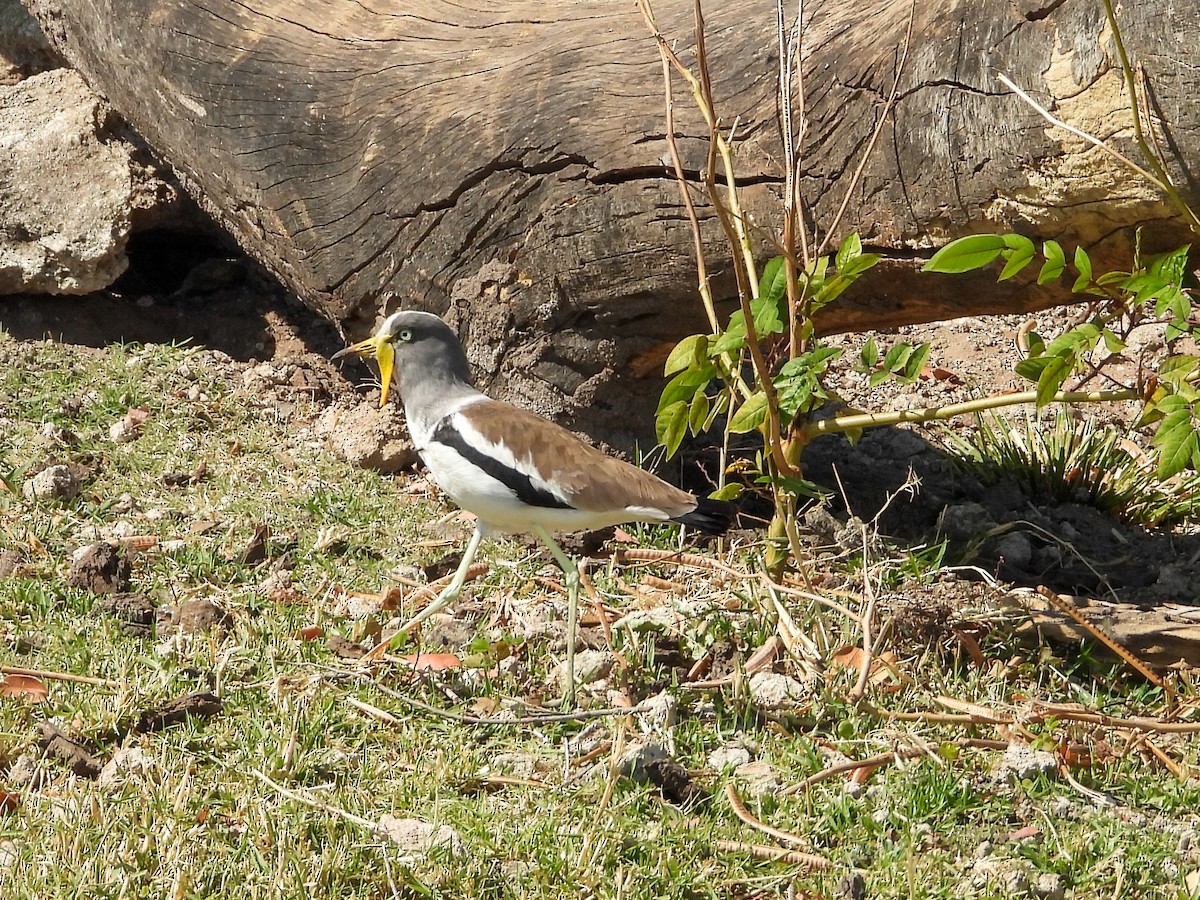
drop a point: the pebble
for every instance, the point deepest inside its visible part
(1022, 762)
(771, 690)
(416, 839)
(52, 483)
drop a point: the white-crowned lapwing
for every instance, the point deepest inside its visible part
(516, 471)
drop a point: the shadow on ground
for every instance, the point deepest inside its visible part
(1072, 548)
(179, 288)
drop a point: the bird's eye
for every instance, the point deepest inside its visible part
(405, 334)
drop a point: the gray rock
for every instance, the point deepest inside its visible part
(65, 189)
(1049, 886)
(771, 690)
(52, 483)
(590, 666)
(417, 839)
(24, 50)
(729, 757)
(1015, 549)
(1021, 762)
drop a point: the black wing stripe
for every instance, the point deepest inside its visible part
(516, 481)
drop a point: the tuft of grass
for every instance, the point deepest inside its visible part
(1057, 457)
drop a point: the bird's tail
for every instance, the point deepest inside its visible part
(709, 516)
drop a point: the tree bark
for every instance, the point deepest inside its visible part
(506, 163)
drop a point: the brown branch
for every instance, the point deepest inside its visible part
(774, 854)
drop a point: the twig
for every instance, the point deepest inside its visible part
(1064, 605)
(774, 854)
(1079, 133)
(60, 676)
(542, 719)
(739, 810)
(883, 759)
(314, 803)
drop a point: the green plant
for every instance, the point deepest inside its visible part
(768, 364)
(1077, 461)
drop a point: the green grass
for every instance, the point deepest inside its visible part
(199, 821)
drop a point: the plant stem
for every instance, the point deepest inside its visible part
(936, 413)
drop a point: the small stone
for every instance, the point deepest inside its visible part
(635, 761)
(417, 839)
(590, 666)
(52, 483)
(10, 561)
(127, 764)
(123, 431)
(1024, 763)
(761, 778)
(771, 690)
(99, 568)
(1009, 876)
(369, 437)
(659, 713)
(198, 616)
(728, 757)
(1049, 886)
(1015, 549)
(964, 521)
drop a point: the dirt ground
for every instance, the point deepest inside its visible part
(229, 304)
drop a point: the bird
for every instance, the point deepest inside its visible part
(516, 471)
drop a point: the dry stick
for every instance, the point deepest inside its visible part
(1064, 605)
(1139, 135)
(885, 758)
(60, 676)
(739, 809)
(546, 718)
(1079, 133)
(315, 804)
(773, 854)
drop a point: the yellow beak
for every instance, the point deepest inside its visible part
(379, 346)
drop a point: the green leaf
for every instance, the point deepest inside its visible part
(689, 351)
(684, 385)
(966, 254)
(767, 317)
(1056, 262)
(1083, 265)
(670, 425)
(870, 354)
(698, 412)
(1018, 255)
(1174, 369)
(916, 363)
(1031, 369)
(733, 338)
(1177, 442)
(1052, 378)
(850, 250)
(772, 284)
(750, 415)
(897, 357)
(1173, 265)
(731, 491)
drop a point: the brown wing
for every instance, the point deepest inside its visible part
(588, 479)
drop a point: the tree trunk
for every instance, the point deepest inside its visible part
(506, 164)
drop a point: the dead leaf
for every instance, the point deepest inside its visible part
(484, 706)
(882, 668)
(9, 802)
(310, 632)
(136, 416)
(26, 687)
(621, 536)
(1024, 834)
(432, 662)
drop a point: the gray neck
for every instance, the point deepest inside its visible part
(431, 380)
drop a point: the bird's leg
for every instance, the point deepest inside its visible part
(455, 586)
(571, 573)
